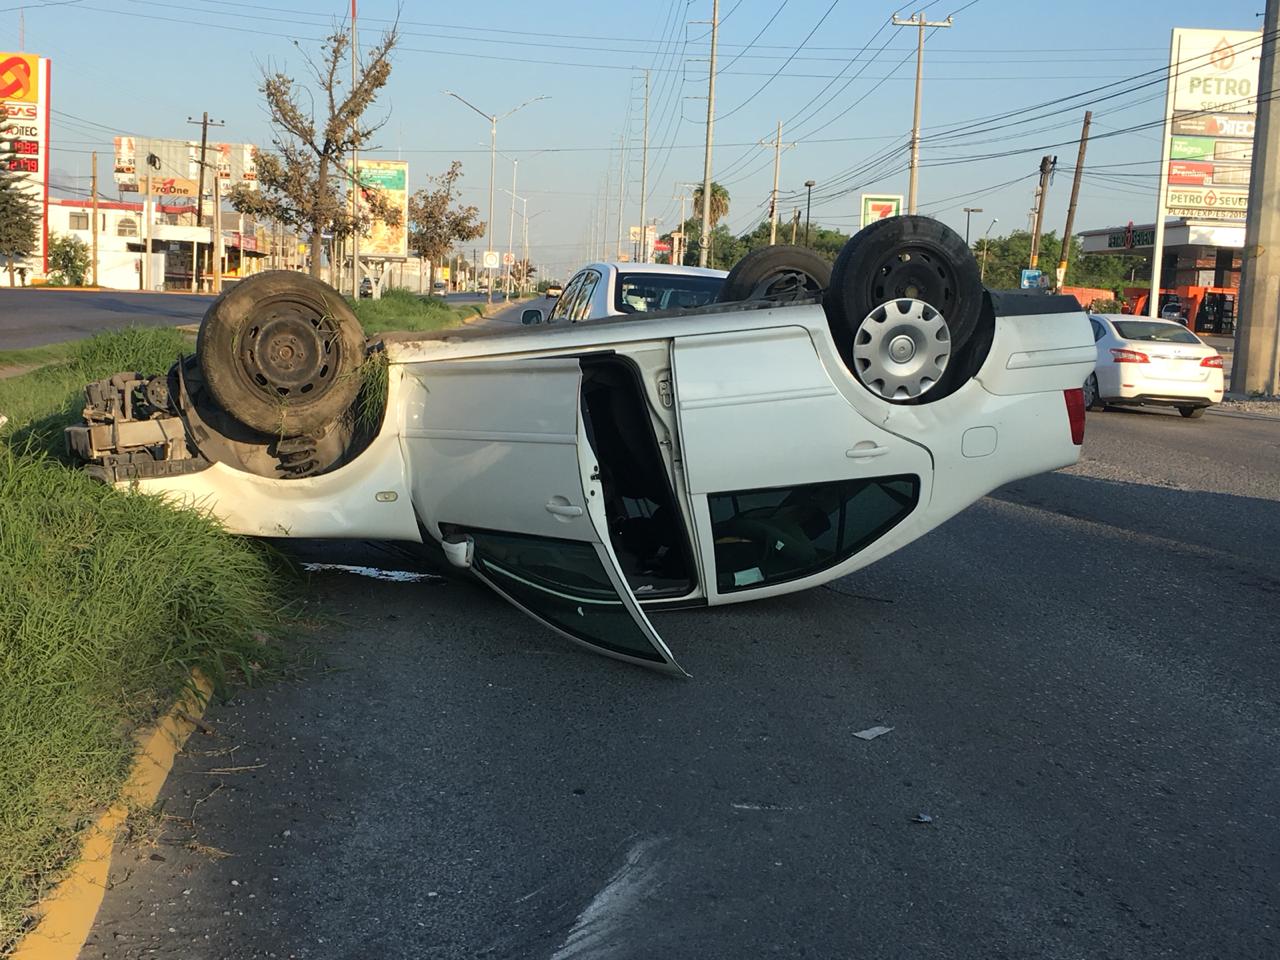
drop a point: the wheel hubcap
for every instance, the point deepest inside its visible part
(901, 349)
(291, 350)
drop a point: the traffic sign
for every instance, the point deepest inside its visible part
(490, 259)
(1032, 279)
(508, 259)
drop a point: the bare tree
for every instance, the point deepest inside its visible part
(435, 223)
(301, 183)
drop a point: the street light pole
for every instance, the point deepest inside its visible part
(808, 207)
(982, 274)
(493, 119)
(969, 212)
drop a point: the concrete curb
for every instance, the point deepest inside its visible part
(67, 913)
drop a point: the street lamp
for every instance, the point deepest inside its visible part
(968, 212)
(493, 119)
(808, 207)
(982, 274)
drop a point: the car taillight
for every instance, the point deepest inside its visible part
(1075, 413)
(1120, 355)
(1215, 361)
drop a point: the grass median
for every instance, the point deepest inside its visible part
(107, 601)
(400, 309)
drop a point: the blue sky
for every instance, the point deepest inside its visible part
(145, 66)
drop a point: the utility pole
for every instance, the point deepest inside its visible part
(1256, 364)
(355, 173)
(777, 145)
(93, 191)
(205, 124)
(511, 227)
(1065, 256)
(986, 244)
(919, 22)
(644, 176)
(808, 207)
(146, 234)
(217, 236)
(1047, 165)
(704, 238)
(969, 212)
(795, 225)
(622, 193)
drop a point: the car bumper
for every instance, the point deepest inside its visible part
(1128, 387)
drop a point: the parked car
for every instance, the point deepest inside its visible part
(366, 288)
(613, 289)
(707, 453)
(1143, 362)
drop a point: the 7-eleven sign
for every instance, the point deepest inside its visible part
(879, 206)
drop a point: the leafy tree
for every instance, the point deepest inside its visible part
(301, 183)
(521, 271)
(719, 203)
(19, 211)
(68, 261)
(436, 223)
(1007, 257)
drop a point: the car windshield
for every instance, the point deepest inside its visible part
(649, 292)
(1154, 332)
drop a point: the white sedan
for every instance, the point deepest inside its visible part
(616, 289)
(1142, 361)
(588, 471)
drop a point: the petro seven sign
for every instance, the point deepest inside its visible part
(24, 123)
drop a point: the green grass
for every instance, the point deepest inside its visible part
(107, 600)
(400, 309)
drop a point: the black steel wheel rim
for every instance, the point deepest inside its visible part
(289, 349)
(914, 273)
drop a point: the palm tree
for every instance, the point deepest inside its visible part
(719, 203)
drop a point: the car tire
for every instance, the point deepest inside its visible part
(904, 258)
(1192, 413)
(1092, 399)
(782, 273)
(280, 352)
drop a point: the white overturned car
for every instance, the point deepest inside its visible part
(585, 472)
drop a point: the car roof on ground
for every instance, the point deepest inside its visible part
(662, 268)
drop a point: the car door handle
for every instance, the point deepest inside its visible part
(564, 509)
(866, 450)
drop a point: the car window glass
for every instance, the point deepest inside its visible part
(763, 537)
(652, 291)
(1155, 332)
(581, 308)
(564, 583)
(561, 309)
(1097, 329)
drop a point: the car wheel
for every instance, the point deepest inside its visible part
(1192, 413)
(781, 273)
(1091, 399)
(904, 258)
(279, 352)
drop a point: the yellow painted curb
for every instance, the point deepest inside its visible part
(67, 914)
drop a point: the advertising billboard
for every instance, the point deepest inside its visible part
(1210, 125)
(176, 165)
(24, 122)
(390, 178)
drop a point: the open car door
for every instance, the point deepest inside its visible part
(499, 456)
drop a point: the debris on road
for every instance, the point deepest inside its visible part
(872, 732)
(922, 818)
(396, 576)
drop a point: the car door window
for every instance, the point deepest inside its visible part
(1097, 329)
(561, 310)
(565, 584)
(764, 537)
(581, 308)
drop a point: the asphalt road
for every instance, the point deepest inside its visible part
(31, 317)
(1080, 673)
